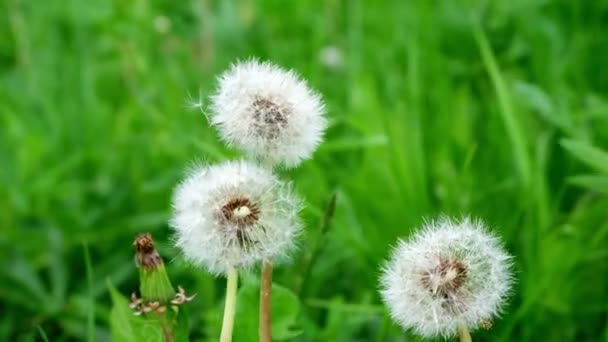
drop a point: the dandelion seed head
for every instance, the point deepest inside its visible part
(268, 112)
(234, 214)
(450, 273)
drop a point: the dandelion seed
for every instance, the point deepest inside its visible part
(196, 103)
(268, 112)
(449, 275)
(233, 215)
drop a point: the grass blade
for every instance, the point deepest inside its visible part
(505, 103)
(91, 310)
(588, 154)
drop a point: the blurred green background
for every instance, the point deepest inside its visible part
(498, 110)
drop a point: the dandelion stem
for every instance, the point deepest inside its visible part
(463, 332)
(265, 303)
(230, 305)
(165, 325)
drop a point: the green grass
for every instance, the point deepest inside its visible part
(500, 112)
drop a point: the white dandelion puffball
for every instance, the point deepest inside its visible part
(268, 112)
(233, 215)
(449, 274)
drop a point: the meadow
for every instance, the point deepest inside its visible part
(495, 109)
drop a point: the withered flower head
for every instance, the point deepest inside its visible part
(146, 255)
(156, 290)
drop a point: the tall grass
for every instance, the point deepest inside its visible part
(437, 107)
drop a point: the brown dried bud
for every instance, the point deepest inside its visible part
(146, 255)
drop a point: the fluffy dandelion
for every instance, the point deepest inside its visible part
(448, 278)
(233, 215)
(268, 112)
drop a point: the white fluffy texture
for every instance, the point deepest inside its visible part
(212, 242)
(485, 288)
(233, 112)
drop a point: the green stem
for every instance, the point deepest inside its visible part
(463, 332)
(265, 303)
(166, 326)
(230, 305)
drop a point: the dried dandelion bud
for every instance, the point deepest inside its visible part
(155, 287)
(154, 281)
(449, 274)
(233, 215)
(268, 112)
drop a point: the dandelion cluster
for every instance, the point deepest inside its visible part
(238, 214)
(233, 215)
(450, 273)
